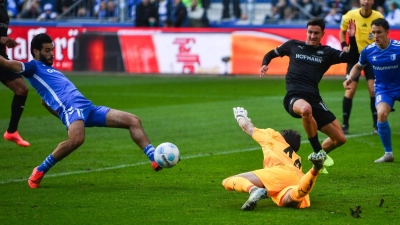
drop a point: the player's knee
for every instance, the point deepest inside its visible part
(22, 90)
(306, 111)
(76, 142)
(340, 141)
(134, 121)
(382, 115)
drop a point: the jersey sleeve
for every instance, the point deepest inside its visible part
(28, 69)
(344, 22)
(284, 49)
(363, 58)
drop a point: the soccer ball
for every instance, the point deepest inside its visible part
(166, 155)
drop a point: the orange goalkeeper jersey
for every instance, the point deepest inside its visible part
(276, 150)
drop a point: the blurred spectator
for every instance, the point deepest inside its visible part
(274, 16)
(132, 8)
(82, 13)
(164, 12)
(282, 5)
(31, 10)
(48, 13)
(290, 14)
(65, 4)
(378, 3)
(393, 16)
(333, 17)
(311, 7)
(179, 14)
(14, 7)
(101, 10)
(111, 11)
(237, 12)
(146, 14)
(195, 14)
(342, 6)
(381, 10)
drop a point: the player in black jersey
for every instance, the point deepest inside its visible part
(309, 61)
(13, 81)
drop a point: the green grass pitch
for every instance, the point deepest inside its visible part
(108, 180)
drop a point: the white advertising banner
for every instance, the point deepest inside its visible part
(193, 52)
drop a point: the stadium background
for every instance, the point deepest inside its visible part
(98, 47)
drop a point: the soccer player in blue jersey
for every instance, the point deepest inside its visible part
(62, 98)
(384, 57)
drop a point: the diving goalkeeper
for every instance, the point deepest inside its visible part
(282, 178)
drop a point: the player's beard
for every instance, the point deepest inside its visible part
(47, 61)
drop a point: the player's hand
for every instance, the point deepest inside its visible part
(9, 42)
(240, 112)
(345, 49)
(263, 70)
(346, 83)
(351, 28)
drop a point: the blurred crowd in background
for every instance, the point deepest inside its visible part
(193, 13)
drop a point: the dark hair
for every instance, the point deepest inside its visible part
(38, 41)
(293, 138)
(316, 21)
(381, 22)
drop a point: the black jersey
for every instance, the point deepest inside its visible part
(4, 20)
(307, 65)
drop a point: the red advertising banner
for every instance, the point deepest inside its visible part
(169, 50)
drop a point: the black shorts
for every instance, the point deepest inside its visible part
(320, 112)
(5, 74)
(368, 72)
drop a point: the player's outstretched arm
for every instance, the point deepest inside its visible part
(354, 73)
(15, 66)
(244, 122)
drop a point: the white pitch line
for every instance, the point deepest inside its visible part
(147, 162)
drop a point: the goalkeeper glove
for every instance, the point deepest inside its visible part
(240, 112)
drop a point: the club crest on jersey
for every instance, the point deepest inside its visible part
(393, 57)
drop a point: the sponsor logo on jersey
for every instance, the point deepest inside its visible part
(309, 58)
(385, 67)
(393, 57)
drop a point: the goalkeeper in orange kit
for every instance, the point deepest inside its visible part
(282, 178)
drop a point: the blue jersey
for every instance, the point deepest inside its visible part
(53, 86)
(385, 63)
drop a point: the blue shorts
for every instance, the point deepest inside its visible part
(387, 96)
(92, 116)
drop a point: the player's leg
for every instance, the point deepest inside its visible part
(247, 182)
(383, 108)
(335, 135)
(76, 137)
(18, 86)
(295, 196)
(347, 102)
(370, 77)
(120, 119)
(304, 109)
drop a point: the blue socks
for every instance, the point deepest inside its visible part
(149, 151)
(47, 164)
(386, 135)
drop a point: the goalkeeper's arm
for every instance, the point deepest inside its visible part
(243, 121)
